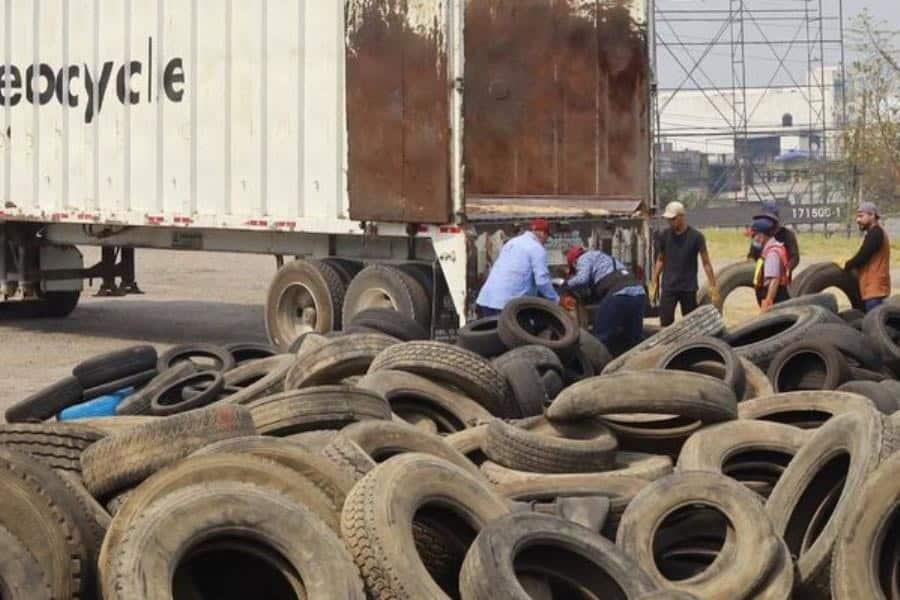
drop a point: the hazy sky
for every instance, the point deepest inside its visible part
(687, 33)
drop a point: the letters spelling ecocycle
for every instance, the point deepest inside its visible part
(43, 86)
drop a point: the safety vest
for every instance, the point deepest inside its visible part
(759, 278)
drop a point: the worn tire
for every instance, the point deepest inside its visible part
(865, 552)
(57, 445)
(730, 278)
(378, 516)
(705, 321)
(222, 360)
(822, 276)
(543, 358)
(687, 356)
(132, 382)
(743, 569)
(514, 331)
(758, 384)
(21, 576)
(527, 388)
(688, 395)
(258, 378)
(139, 402)
(115, 365)
(814, 497)
(806, 410)
(468, 372)
(754, 453)
(853, 344)
(172, 400)
(535, 445)
(386, 286)
(881, 326)
(808, 365)
(553, 548)
(884, 400)
(390, 322)
(325, 407)
(822, 300)
(760, 339)
(593, 350)
(122, 460)
(412, 394)
(143, 568)
(627, 464)
(46, 403)
(482, 338)
(337, 359)
(244, 352)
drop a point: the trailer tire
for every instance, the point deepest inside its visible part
(46, 403)
(57, 305)
(305, 295)
(387, 286)
(123, 460)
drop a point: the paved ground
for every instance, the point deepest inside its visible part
(189, 297)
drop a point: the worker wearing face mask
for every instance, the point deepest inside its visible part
(772, 274)
(782, 234)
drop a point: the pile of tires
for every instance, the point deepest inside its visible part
(522, 462)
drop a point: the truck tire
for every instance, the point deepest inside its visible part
(705, 321)
(527, 321)
(57, 305)
(527, 388)
(387, 286)
(115, 365)
(248, 351)
(389, 322)
(808, 365)
(535, 445)
(866, 548)
(699, 351)
(470, 373)
(408, 393)
(258, 378)
(852, 343)
(46, 403)
(819, 277)
(649, 467)
(305, 295)
(21, 576)
(172, 399)
(481, 337)
(881, 396)
(325, 407)
(730, 278)
(336, 359)
(132, 382)
(761, 338)
(559, 550)
(806, 410)
(57, 445)
(221, 359)
(345, 268)
(182, 521)
(816, 494)
(823, 300)
(122, 460)
(881, 326)
(543, 358)
(378, 519)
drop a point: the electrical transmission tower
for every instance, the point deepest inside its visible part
(738, 80)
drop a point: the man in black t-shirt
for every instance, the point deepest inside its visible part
(782, 235)
(677, 251)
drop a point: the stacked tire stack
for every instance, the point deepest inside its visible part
(522, 462)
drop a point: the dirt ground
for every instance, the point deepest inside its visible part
(190, 297)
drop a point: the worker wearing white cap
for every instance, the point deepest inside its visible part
(677, 250)
(872, 262)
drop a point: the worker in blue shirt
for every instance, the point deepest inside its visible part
(619, 320)
(520, 270)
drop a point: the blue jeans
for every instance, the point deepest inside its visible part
(872, 303)
(619, 322)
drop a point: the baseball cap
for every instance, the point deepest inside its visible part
(542, 225)
(868, 207)
(574, 254)
(764, 225)
(674, 209)
(769, 211)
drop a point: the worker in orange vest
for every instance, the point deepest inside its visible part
(773, 272)
(873, 260)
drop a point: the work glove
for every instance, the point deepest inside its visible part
(715, 295)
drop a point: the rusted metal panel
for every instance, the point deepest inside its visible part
(493, 207)
(398, 110)
(556, 99)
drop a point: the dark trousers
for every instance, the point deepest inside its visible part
(669, 300)
(872, 303)
(483, 312)
(619, 322)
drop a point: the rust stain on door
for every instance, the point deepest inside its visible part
(398, 117)
(556, 99)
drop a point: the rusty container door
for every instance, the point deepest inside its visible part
(556, 101)
(398, 118)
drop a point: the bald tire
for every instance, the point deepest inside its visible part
(336, 359)
(123, 460)
(559, 550)
(378, 519)
(207, 471)
(146, 557)
(866, 438)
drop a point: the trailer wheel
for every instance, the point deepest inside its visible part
(388, 287)
(304, 296)
(57, 305)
